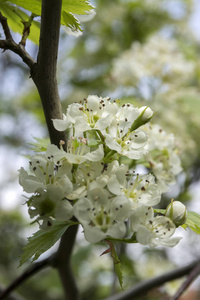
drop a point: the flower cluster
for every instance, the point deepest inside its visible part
(90, 182)
(139, 63)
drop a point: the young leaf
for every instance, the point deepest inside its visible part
(40, 145)
(42, 240)
(193, 221)
(15, 16)
(30, 5)
(79, 7)
(70, 21)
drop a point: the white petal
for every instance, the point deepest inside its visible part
(120, 208)
(93, 234)
(96, 155)
(61, 125)
(143, 235)
(117, 231)
(63, 211)
(168, 242)
(113, 185)
(140, 216)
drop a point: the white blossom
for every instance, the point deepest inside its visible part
(102, 217)
(152, 231)
(139, 189)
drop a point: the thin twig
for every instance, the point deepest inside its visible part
(6, 28)
(30, 271)
(191, 277)
(144, 287)
(10, 44)
(11, 297)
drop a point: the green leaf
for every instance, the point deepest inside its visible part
(42, 240)
(15, 16)
(40, 145)
(193, 221)
(79, 7)
(31, 5)
(69, 7)
(70, 21)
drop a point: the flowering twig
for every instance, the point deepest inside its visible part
(147, 285)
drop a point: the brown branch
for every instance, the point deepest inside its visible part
(10, 44)
(6, 28)
(144, 287)
(32, 269)
(44, 72)
(191, 277)
(62, 263)
(11, 297)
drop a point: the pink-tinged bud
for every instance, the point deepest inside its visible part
(177, 212)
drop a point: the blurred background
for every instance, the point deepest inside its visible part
(144, 52)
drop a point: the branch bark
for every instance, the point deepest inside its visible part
(33, 269)
(144, 287)
(191, 277)
(44, 72)
(63, 264)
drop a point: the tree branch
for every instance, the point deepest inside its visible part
(62, 263)
(9, 44)
(44, 72)
(32, 269)
(12, 297)
(6, 28)
(145, 286)
(191, 277)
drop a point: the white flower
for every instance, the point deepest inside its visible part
(47, 170)
(162, 156)
(177, 212)
(139, 189)
(95, 113)
(102, 217)
(78, 152)
(150, 230)
(48, 205)
(133, 145)
(141, 61)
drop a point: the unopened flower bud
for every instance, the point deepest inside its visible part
(145, 113)
(145, 116)
(177, 212)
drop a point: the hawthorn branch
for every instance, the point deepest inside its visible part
(191, 277)
(10, 44)
(144, 287)
(62, 263)
(12, 297)
(30, 271)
